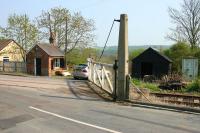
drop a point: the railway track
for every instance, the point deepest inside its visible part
(181, 99)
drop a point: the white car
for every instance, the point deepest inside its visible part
(81, 71)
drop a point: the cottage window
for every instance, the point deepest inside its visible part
(57, 62)
(5, 59)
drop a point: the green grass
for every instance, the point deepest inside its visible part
(192, 88)
(153, 87)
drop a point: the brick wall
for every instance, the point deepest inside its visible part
(44, 61)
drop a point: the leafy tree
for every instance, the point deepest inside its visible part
(22, 30)
(78, 56)
(135, 53)
(176, 54)
(187, 21)
(79, 29)
(1, 37)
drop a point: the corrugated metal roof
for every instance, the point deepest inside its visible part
(50, 49)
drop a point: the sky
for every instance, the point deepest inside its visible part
(148, 20)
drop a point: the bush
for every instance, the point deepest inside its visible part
(176, 52)
(194, 86)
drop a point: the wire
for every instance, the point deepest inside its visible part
(107, 40)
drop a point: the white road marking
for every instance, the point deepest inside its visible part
(76, 121)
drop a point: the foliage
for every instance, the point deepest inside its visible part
(176, 53)
(153, 87)
(22, 30)
(187, 21)
(1, 37)
(78, 56)
(194, 86)
(79, 29)
(135, 53)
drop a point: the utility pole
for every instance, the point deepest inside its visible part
(25, 40)
(122, 58)
(25, 30)
(66, 43)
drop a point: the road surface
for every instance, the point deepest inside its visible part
(45, 105)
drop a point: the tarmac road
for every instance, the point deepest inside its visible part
(45, 105)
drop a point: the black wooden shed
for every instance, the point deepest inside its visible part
(150, 62)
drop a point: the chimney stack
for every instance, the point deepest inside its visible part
(52, 38)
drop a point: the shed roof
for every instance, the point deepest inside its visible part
(50, 49)
(156, 52)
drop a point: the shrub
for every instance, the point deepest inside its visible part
(194, 86)
(176, 52)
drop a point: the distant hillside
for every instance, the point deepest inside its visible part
(112, 50)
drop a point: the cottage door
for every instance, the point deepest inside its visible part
(38, 66)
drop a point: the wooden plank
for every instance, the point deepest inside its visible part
(109, 82)
(99, 78)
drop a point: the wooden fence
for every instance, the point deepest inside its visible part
(13, 67)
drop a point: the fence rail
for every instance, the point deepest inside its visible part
(102, 75)
(12, 67)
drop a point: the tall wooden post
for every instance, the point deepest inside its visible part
(66, 44)
(122, 58)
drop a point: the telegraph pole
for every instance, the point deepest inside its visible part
(25, 40)
(66, 43)
(25, 30)
(122, 58)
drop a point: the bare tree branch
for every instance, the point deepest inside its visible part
(187, 22)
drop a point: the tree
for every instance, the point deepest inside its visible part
(187, 22)
(79, 29)
(20, 29)
(135, 53)
(176, 53)
(78, 56)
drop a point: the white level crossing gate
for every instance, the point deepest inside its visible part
(103, 75)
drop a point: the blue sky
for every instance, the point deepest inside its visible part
(148, 23)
